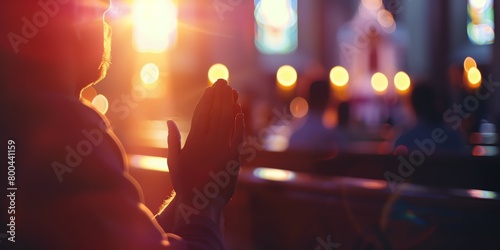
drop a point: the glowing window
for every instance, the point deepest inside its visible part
(276, 31)
(155, 25)
(481, 27)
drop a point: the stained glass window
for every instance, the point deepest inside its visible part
(276, 26)
(481, 27)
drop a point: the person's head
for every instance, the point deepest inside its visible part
(319, 96)
(343, 114)
(53, 45)
(426, 103)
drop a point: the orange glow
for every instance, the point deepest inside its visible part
(374, 184)
(100, 102)
(218, 71)
(329, 118)
(474, 77)
(402, 81)
(372, 4)
(379, 82)
(342, 94)
(286, 76)
(149, 162)
(154, 25)
(277, 143)
(469, 63)
(299, 107)
(273, 174)
(89, 93)
(385, 18)
(339, 76)
(150, 73)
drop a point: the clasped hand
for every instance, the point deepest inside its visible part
(212, 146)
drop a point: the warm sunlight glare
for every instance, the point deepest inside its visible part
(372, 4)
(149, 162)
(154, 25)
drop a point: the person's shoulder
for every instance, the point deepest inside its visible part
(65, 141)
(74, 112)
(58, 125)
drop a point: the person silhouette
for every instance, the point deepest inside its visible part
(313, 136)
(428, 107)
(69, 176)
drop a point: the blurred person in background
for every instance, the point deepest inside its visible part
(429, 108)
(313, 135)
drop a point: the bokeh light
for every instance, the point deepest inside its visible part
(339, 76)
(330, 118)
(100, 102)
(469, 63)
(374, 184)
(379, 82)
(385, 18)
(218, 71)
(273, 174)
(149, 162)
(402, 81)
(299, 107)
(150, 73)
(474, 77)
(286, 76)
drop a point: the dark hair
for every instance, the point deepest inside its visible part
(426, 102)
(319, 95)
